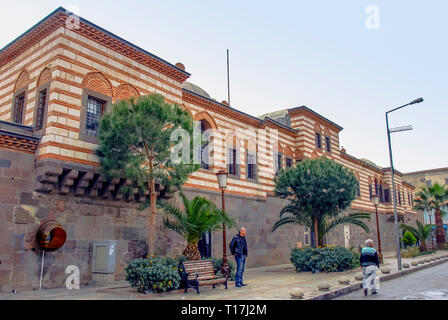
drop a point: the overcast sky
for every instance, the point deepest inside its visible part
(291, 53)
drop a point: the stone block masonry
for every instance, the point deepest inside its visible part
(85, 220)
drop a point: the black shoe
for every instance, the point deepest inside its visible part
(374, 292)
(243, 285)
(365, 292)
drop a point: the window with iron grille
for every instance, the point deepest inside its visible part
(251, 165)
(399, 198)
(318, 140)
(409, 199)
(358, 189)
(19, 106)
(95, 110)
(40, 112)
(376, 187)
(412, 198)
(288, 162)
(328, 144)
(204, 149)
(370, 192)
(380, 189)
(386, 195)
(232, 166)
(278, 163)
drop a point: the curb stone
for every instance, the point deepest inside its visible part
(384, 277)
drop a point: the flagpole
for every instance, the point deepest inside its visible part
(228, 79)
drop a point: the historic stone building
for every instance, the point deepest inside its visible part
(60, 76)
(427, 178)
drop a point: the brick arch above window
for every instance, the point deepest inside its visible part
(44, 77)
(314, 155)
(97, 81)
(288, 152)
(204, 115)
(299, 155)
(125, 91)
(317, 127)
(327, 132)
(22, 80)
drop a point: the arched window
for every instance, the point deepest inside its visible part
(43, 88)
(19, 98)
(381, 193)
(205, 148)
(96, 101)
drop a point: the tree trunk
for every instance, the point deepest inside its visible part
(152, 216)
(422, 246)
(440, 234)
(191, 252)
(316, 233)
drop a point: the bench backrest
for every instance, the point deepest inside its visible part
(204, 268)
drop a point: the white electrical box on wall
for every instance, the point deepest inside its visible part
(103, 256)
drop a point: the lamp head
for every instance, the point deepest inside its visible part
(376, 200)
(416, 101)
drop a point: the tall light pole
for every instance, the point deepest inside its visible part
(394, 195)
(376, 202)
(222, 183)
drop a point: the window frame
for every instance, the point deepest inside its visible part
(318, 140)
(202, 147)
(22, 91)
(278, 168)
(286, 162)
(237, 165)
(327, 145)
(387, 199)
(85, 96)
(46, 87)
(255, 179)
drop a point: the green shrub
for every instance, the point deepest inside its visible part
(156, 274)
(410, 252)
(329, 259)
(408, 239)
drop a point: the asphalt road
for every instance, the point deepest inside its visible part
(426, 284)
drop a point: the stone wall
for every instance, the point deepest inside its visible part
(85, 221)
(88, 220)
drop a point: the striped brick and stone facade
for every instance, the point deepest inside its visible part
(56, 73)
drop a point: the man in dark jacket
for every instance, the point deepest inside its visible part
(238, 247)
(369, 263)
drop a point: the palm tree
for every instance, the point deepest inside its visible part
(325, 223)
(200, 216)
(422, 233)
(432, 198)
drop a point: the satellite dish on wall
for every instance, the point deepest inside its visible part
(51, 235)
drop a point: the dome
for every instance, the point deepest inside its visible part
(195, 89)
(369, 162)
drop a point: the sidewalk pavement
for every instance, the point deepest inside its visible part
(266, 283)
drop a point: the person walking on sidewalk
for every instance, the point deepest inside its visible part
(369, 263)
(238, 247)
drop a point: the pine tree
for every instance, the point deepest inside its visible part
(318, 190)
(134, 143)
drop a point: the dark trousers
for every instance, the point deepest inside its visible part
(240, 262)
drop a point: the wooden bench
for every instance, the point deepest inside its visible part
(199, 273)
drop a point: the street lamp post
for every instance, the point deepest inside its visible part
(432, 235)
(222, 182)
(376, 202)
(394, 195)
